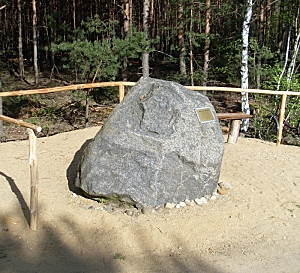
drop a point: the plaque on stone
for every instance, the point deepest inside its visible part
(205, 114)
(152, 149)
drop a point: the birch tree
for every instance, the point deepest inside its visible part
(291, 69)
(244, 66)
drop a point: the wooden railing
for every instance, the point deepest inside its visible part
(31, 128)
(121, 86)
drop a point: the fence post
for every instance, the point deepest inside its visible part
(281, 118)
(121, 92)
(33, 179)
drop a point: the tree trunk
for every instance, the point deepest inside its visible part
(180, 36)
(191, 46)
(146, 18)
(261, 27)
(126, 17)
(35, 47)
(207, 42)
(20, 43)
(126, 28)
(286, 60)
(244, 66)
(74, 15)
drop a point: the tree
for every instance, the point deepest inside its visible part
(181, 43)
(20, 44)
(244, 66)
(191, 45)
(207, 42)
(35, 47)
(146, 23)
(126, 4)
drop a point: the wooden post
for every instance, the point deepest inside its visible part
(281, 118)
(121, 92)
(234, 131)
(33, 179)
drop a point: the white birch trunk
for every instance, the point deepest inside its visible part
(244, 66)
(286, 61)
(291, 69)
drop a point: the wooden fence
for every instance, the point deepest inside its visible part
(121, 86)
(31, 128)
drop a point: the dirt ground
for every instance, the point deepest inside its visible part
(253, 228)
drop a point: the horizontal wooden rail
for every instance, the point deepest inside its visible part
(21, 123)
(233, 116)
(121, 85)
(240, 90)
(63, 88)
(234, 128)
(118, 84)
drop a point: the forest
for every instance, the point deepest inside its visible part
(188, 41)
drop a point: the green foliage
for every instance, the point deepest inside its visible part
(274, 76)
(119, 256)
(228, 60)
(109, 94)
(96, 51)
(267, 58)
(293, 103)
(265, 123)
(13, 106)
(228, 63)
(120, 200)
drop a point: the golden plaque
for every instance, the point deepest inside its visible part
(205, 114)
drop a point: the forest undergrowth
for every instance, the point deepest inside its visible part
(66, 111)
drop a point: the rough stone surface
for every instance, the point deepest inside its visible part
(153, 149)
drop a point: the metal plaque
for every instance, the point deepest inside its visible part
(205, 114)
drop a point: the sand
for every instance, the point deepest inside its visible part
(255, 227)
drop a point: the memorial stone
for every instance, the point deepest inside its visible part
(161, 144)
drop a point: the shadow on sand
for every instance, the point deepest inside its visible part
(73, 167)
(50, 250)
(16, 191)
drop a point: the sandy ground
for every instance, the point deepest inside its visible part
(253, 228)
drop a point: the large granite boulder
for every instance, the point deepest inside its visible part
(156, 147)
